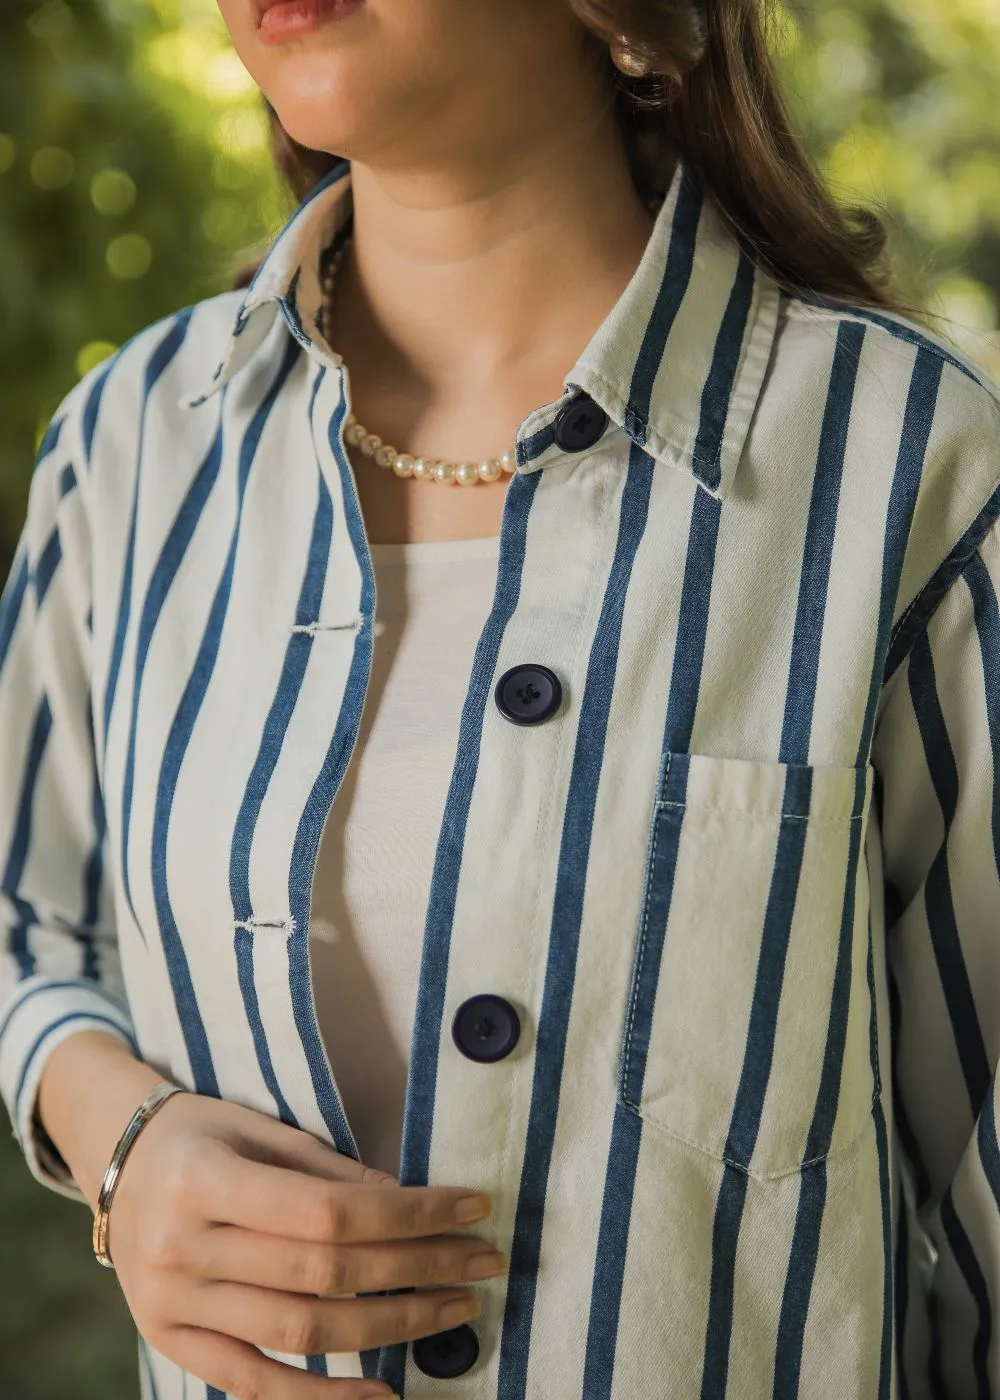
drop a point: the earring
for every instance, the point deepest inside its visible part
(628, 59)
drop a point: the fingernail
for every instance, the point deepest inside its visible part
(473, 1208)
(459, 1310)
(486, 1265)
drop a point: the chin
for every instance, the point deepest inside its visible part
(316, 114)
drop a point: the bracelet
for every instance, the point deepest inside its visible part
(136, 1123)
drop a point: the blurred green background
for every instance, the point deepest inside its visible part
(135, 176)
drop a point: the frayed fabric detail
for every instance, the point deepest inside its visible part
(251, 925)
(313, 627)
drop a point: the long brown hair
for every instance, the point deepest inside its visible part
(714, 97)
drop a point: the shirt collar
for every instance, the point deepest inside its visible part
(678, 363)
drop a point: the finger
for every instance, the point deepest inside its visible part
(281, 1201)
(278, 1144)
(229, 1254)
(239, 1369)
(301, 1326)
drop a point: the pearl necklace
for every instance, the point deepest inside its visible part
(402, 463)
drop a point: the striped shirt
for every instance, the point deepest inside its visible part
(736, 897)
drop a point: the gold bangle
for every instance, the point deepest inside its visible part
(136, 1123)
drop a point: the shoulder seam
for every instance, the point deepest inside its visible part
(898, 330)
(918, 613)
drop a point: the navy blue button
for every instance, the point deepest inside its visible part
(580, 423)
(486, 1028)
(528, 694)
(446, 1354)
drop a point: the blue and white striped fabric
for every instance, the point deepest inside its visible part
(742, 887)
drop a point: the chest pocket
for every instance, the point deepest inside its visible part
(748, 1028)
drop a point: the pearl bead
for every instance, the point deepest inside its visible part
(402, 463)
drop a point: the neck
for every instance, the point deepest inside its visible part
(449, 289)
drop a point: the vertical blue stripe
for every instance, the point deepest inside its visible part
(158, 363)
(185, 997)
(918, 420)
(987, 617)
(50, 440)
(17, 855)
(663, 316)
(821, 528)
(293, 669)
(938, 1391)
(331, 774)
(564, 937)
(161, 580)
(717, 396)
(906, 481)
(902, 1291)
(885, 1194)
(93, 404)
(419, 1108)
(807, 639)
(968, 1265)
(749, 1102)
(812, 1189)
(93, 866)
(48, 562)
(626, 1134)
(986, 1141)
(922, 1184)
(13, 599)
(67, 480)
(945, 939)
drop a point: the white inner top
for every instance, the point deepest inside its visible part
(376, 856)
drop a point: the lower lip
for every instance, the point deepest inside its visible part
(290, 18)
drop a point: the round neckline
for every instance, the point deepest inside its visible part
(435, 551)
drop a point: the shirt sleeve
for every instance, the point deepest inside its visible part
(937, 760)
(59, 964)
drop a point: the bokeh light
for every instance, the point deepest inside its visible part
(129, 256)
(112, 191)
(92, 354)
(52, 167)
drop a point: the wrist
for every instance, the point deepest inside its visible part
(86, 1097)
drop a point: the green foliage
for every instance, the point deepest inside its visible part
(133, 168)
(898, 100)
(134, 173)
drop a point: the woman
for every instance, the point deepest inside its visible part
(659, 902)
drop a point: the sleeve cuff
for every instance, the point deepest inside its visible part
(44, 1012)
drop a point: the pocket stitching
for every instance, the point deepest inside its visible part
(760, 817)
(832, 1154)
(633, 994)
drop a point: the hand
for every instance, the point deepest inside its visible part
(231, 1231)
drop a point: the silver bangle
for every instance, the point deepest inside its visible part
(136, 1123)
